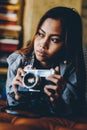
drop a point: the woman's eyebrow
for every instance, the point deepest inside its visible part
(51, 34)
(56, 35)
(42, 30)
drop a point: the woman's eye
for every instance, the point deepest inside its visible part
(40, 34)
(55, 40)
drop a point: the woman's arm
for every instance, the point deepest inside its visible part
(14, 61)
(65, 99)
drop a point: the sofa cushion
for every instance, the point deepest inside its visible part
(8, 126)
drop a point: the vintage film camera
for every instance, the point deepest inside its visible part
(34, 80)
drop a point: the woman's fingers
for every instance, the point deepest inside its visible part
(20, 72)
(50, 89)
(57, 87)
(55, 78)
(17, 81)
(51, 95)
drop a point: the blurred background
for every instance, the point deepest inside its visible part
(18, 21)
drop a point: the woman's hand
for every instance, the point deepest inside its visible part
(58, 88)
(17, 81)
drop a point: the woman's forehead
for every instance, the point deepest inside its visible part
(51, 25)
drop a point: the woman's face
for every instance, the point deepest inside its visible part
(48, 40)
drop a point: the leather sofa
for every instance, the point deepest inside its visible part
(28, 121)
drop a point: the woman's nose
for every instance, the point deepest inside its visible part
(44, 43)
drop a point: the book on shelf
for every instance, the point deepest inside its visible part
(8, 47)
(9, 41)
(9, 16)
(9, 1)
(10, 7)
(9, 33)
(8, 44)
(4, 22)
(4, 10)
(3, 58)
(11, 27)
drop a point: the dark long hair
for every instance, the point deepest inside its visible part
(72, 26)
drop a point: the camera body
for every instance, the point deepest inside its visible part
(34, 78)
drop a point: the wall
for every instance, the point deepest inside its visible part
(84, 20)
(34, 9)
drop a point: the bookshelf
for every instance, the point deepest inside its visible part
(11, 29)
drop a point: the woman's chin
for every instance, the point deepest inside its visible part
(41, 58)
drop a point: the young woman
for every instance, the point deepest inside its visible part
(57, 44)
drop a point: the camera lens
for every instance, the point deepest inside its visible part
(29, 80)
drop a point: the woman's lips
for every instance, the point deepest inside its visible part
(41, 53)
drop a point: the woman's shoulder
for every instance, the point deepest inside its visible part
(15, 56)
(15, 60)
